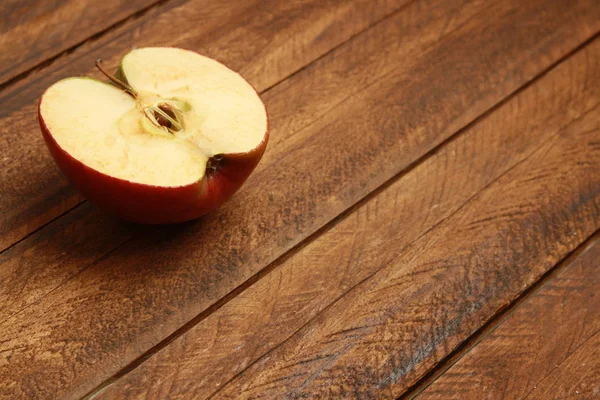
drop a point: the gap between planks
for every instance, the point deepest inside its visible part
(132, 17)
(334, 48)
(471, 341)
(496, 320)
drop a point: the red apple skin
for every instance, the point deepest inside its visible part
(149, 204)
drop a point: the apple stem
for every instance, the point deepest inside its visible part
(164, 115)
(128, 89)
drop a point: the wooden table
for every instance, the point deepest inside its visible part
(424, 222)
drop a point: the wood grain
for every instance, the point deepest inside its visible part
(578, 377)
(42, 263)
(32, 31)
(393, 327)
(38, 266)
(548, 348)
(271, 310)
(265, 40)
(112, 310)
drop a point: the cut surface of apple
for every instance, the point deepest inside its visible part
(106, 129)
(178, 119)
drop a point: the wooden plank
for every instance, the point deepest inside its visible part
(548, 348)
(41, 264)
(32, 31)
(38, 266)
(140, 293)
(265, 40)
(578, 377)
(392, 328)
(275, 307)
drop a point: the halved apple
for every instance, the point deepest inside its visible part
(171, 139)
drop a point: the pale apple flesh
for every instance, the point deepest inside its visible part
(128, 159)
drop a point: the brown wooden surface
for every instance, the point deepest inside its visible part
(241, 332)
(42, 263)
(142, 292)
(578, 377)
(288, 36)
(389, 329)
(292, 288)
(549, 348)
(310, 104)
(33, 31)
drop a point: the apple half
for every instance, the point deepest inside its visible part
(172, 137)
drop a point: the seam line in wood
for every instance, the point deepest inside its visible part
(40, 228)
(495, 321)
(88, 266)
(349, 39)
(329, 225)
(47, 62)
